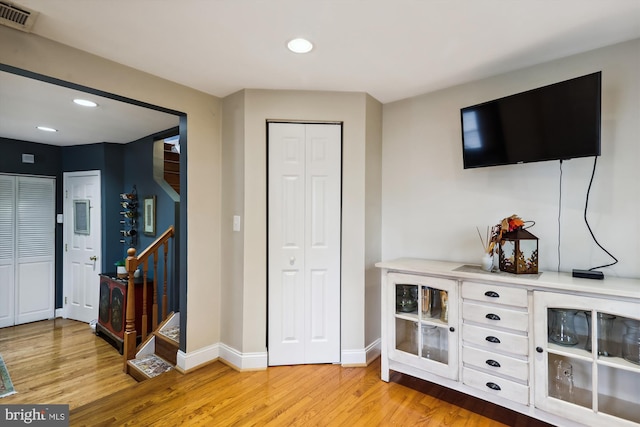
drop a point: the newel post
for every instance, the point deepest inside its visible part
(129, 348)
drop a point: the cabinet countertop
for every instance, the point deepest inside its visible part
(611, 287)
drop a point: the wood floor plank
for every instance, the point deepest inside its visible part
(62, 361)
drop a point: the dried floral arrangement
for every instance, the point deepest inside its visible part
(494, 234)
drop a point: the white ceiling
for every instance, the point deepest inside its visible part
(26, 103)
(391, 49)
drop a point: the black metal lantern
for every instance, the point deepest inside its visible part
(519, 252)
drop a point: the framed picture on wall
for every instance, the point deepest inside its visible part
(149, 228)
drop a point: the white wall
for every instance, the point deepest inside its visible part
(373, 222)
(232, 290)
(246, 290)
(431, 206)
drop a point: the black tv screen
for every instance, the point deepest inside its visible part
(559, 121)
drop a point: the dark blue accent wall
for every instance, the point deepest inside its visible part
(120, 165)
(113, 185)
(46, 158)
(138, 171)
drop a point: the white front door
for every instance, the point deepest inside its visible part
(82, 244)
(304, 243)
(27, 249)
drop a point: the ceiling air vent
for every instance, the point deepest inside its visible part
(18, 17)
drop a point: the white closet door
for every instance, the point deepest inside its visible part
(35, 249)
(304, 243)
(27, 249)
(286, 244)
(7, 245)
(322, 243)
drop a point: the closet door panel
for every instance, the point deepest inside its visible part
(7, 247)
(35, 247)
(35, 291)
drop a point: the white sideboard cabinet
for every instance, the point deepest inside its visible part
(423, 325)
(557, 348)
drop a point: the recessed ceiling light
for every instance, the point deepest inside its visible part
(47, 129)
(85, 102)
(300, 46)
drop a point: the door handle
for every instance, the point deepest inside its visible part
(292, 260)
(93, 258)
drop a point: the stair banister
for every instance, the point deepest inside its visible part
(132, 264)
(145, 316)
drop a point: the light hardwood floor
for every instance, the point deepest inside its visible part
(62, 361)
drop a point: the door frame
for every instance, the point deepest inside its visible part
(305, 122)
(66, 228)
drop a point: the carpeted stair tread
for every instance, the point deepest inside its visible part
(151, 365)
(172, 333)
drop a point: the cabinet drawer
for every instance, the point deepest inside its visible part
(504, 388)
(495, 316)
(495, 340)
(496, 363)
(495, 294)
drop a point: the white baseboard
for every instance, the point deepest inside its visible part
(361, 357)
(373, 350)
(243, 361)
(191, 360)
(259, 360)
(231, 356)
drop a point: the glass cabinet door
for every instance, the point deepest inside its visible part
(586, 361)
(423, 325)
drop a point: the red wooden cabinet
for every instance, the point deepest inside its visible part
(113, 306)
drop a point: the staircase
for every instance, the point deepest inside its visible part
(159, 349)
(158, 353)
(172, 167)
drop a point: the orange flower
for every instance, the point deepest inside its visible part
(515, 222)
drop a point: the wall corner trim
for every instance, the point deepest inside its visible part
(243, 361)
(191, 360)
(361, 357)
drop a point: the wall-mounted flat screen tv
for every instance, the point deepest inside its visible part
(556, 122)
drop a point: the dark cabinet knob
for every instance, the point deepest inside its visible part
(493, 339)
(539, 349)
(493, 363)
(492, 316)
(492, 294)
(493, 386)
(452, 329)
